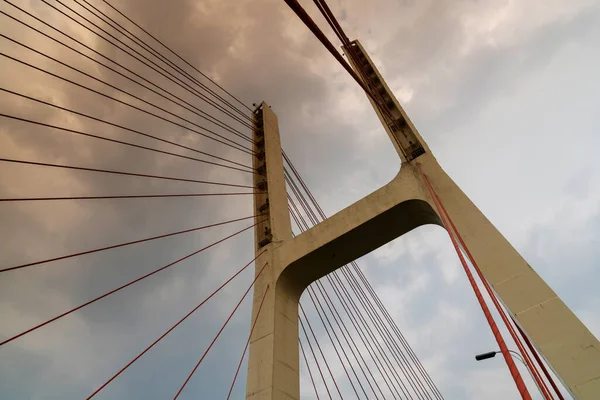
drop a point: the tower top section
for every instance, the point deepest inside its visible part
(407, 141)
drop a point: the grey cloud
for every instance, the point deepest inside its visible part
(259, 51)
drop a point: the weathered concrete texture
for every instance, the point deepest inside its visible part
(398, 207)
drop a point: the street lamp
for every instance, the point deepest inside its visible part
(485, 356)
(491, 354)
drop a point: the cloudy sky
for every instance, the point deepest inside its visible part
(506, 93)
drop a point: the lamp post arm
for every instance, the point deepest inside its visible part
(520, 358)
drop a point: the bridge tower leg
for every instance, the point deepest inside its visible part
(273, 366)
(566, 344)
(382, 216)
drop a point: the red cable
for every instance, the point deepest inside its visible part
(396, 330)
(120, 101)
(303, 203)
(528, 361)
(314, 219)
(304, 17)
(124, 286)
(380, 329)
(214, 104)
(196, 93)
(308, 368)
(170, 329)
(364, 83)
(539, 361)
(340, 323)
(219, 333)
(122, 244)
(182, 59)
(367, 338)
(248, 341)
(126, 32)
(315, 303)
(365, 342)
(378, 345)
(137, 146)
(386, 359)
(314, 356)
(387, 340)
(497, 335)
(499, 308)
(200, 113)
(128, 93)
(413, 356)
(143, 196)
(333, 23)
(343, 303)
(304, 226)
(321, 351)
(125, 51)
(108, 171)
